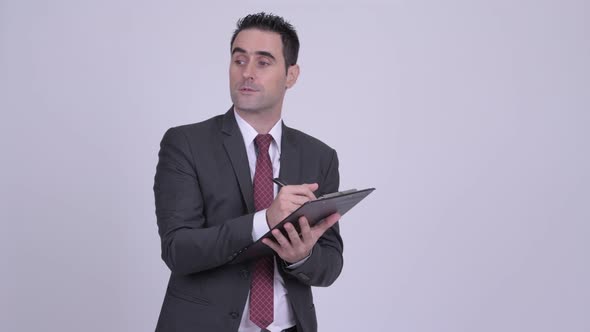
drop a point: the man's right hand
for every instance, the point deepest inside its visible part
(289, 199)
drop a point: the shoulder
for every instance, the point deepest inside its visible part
(306, 141)
(204, 131)
(205, 127)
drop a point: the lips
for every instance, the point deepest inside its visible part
(247, 89)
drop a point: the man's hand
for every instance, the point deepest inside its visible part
(296, 247)
(289, 199)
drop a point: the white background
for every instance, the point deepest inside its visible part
(471, 118)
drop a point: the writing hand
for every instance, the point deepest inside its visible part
(289, 199)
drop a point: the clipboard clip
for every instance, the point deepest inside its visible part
(338, 193)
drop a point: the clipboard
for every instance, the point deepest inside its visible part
(315, 211)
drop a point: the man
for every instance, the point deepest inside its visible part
(214, 195)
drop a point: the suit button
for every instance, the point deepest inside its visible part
(234, 315)
(244, 274)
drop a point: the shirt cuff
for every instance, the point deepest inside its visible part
(260, 226)
(298, 264)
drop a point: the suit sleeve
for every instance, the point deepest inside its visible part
(324, 265)
(188, 246)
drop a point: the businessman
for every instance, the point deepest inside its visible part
(214, 195)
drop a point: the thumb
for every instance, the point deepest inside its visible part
(312, 186)
(329, 222)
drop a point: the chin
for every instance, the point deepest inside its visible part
(249, 107)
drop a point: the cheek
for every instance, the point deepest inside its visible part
(279, 83)
(234, 74)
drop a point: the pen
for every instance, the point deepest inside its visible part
(279, 182)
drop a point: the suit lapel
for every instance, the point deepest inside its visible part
(234, 146)
(290, 157)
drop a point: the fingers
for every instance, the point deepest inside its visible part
(312, 187)
(281, 239)
(296, 200)
(295, 246)
(312, 234)
(281, 246)
(293, 241)
(292, 248)
(294, 237)
(305, 229)
(273, 245)
(289, 199)
(304, 190)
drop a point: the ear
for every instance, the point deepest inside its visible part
(292, 75)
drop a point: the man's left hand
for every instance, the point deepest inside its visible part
(297, 247)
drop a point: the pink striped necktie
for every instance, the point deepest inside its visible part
(261, 288)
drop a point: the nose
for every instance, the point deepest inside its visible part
(249, 71)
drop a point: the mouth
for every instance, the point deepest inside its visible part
(247, 89)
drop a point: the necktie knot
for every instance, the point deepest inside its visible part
(263, 142)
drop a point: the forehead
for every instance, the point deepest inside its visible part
(254, 40)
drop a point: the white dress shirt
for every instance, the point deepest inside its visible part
(283, 314)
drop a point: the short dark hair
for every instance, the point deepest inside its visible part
(273, 23)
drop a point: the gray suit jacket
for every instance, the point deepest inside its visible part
(205, 207)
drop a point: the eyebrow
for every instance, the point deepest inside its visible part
(263, 53)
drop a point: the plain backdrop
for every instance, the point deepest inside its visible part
(471, 118)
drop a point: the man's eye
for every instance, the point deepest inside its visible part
(239, 62)
(263, 63)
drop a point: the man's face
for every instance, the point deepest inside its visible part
(257, 75)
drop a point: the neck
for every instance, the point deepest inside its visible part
(261, 121)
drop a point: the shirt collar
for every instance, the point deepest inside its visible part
(249, 133)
